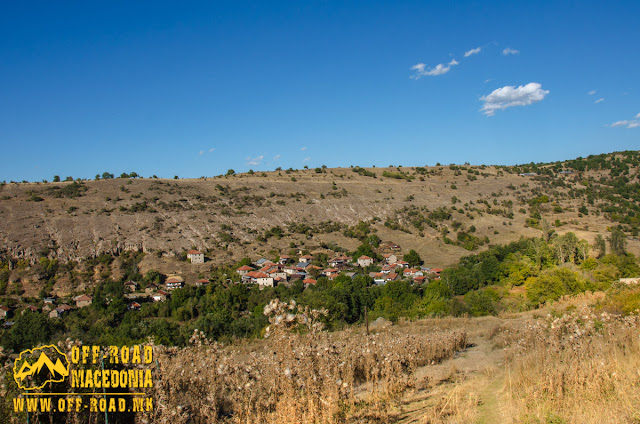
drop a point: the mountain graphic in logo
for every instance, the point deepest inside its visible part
(36, 367)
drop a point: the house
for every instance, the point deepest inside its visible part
(263, 262)
(277, 273)
(305, 258)
(174, 282)
(389, 258)
(394, 246)
(131, 286)
(298, 276)
(83, 300)
(403, 264)
(528, 174)
(284, 259)
(4, 311)
(49, 301)
(65, 307)
(134, 306)
(365, 261)
(195, 256)
(308, 281)
(29, 308)
(56, 313)
(420, 279)
(303, 265)
(339, 261)
(265, 281)
(244, 269)
(328, 271)
(202, 282)
(159, 296)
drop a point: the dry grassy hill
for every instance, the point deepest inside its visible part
(227, 216)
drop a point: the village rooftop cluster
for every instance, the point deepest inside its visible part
(287, 270)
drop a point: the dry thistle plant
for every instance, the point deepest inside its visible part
(315, 377)
(582, 367)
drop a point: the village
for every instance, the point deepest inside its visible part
(286, 270)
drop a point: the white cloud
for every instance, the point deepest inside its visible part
(201, 152)
(276, 157)
(620, 124)
(600, 100)
(473, 51)
(303, 148)
(306, 159)
(509, 51)
(255, 161)
(510, 96)
(439, 69)
(592, 92)
(633, 123)
(211, 149)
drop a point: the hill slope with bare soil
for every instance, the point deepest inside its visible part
(229, 217)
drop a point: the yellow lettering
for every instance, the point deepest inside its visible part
(75, 354)
(138, 404)
(115, 380)
(124, 380)
(149, 404)
(62, 405)
(135, 357)
(148, 382)
(122, 405)
(112, 405)
(18, 404)
(124, 354)
(96, 353)
(105, 379)
(45, 404)
(133, 378)
(32, 404)
(97, 379)
(113, 354)
(93, 405)
(77, 378)
(88, 379)
(148, 354)
(85, 354)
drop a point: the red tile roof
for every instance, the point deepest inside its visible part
(309, 281)
(194, 252)
(245, 268)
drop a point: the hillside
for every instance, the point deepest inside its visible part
(267, 213)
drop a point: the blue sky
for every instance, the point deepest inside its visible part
(193, 89)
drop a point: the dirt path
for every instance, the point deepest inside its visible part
(467, 388)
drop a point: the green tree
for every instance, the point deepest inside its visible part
(617, 242)
(600, 245)
(230, 172)
(29, 330)
(56, 178)
(413, 258)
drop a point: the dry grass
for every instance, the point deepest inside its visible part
(312, 378)
(582, 367)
